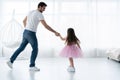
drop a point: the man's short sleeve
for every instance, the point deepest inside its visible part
(40, 16)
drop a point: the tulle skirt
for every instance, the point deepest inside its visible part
(71, 51)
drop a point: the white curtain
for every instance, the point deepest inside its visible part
(96, 23)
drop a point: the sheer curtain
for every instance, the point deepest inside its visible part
(96, 24)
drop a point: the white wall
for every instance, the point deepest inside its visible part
(96, 23)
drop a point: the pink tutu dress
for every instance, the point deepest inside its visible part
(71, 51)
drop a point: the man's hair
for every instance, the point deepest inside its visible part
(42, 4)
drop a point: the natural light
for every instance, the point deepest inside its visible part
(96, 23)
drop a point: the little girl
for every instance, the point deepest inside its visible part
(72, 48)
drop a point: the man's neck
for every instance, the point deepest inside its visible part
(39, 10)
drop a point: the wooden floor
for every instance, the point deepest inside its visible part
(56, 69)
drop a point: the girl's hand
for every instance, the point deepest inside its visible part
(62, 38)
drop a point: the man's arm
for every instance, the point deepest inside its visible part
(49, 28)
(24, 21)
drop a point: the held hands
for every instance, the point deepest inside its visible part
(57, 34)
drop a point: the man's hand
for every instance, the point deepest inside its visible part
(57, 34)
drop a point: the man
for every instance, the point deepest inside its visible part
(31, 22)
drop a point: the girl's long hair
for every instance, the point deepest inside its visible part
(71, 37)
